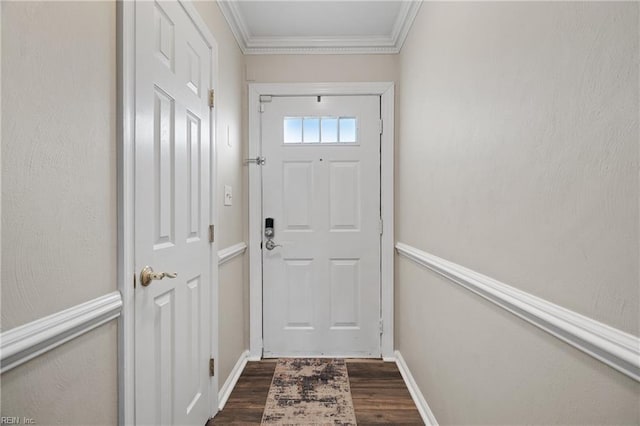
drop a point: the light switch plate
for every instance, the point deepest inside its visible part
(228, 197)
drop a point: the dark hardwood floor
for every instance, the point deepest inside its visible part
(246, 403)
(379, 394)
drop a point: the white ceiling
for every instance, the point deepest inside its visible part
(320, 26)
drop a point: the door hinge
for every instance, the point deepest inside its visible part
(381, 126)
(381, 326)
(212, 233)
(381, 226)
(212, 98)
(212, 367)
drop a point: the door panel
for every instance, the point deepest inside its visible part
(345, 293)
(298, 273)
(322, 285)
(344, 196)
(297, 193)
(172, 201)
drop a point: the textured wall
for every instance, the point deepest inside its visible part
(518, 158)
(58, 199)
(74, 384)
(321, 68)
(477, 364)
(233, 315)
(58, 162)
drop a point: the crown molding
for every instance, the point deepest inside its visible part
(404, 22)
(260, 45)
(236, 22)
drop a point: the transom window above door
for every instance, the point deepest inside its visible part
(305, 130)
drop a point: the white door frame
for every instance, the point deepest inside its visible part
(386, 91)
(126, 109)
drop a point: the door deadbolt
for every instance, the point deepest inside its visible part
(268, 227)
(269, 234)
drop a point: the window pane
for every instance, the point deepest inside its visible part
(329, 127)
(347, 130)
(311, 131)
(292, 130)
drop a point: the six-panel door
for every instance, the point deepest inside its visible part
(172, 202)
(321, 185)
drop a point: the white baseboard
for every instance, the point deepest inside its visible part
(425, 412)
(230, 383)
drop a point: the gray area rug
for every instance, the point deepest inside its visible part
(307, 391)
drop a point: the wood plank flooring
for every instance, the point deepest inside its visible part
(379, 395)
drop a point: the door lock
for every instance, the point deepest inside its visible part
(270, 244)
(268, 227)
(269, 233)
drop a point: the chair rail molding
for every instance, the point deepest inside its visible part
(30, 340)
(228, 253)
(613, 347)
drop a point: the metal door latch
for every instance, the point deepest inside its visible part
(147, 275)
(260, 161)
(270, 244)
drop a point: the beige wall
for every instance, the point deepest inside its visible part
(320, 68)
(58, 145)
(59, 192)
(518, 158)
(233, 294)
(58, 196)
(74, 384)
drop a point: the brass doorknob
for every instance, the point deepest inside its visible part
(147, 275)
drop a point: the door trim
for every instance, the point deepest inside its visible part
(386, 91)
(125, 131)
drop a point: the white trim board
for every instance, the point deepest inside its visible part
(234, 375)
(30, 340)
(386, 91)
(255, 45)
(228, 253)
(418, 398)
(614, 347)
(125, 119)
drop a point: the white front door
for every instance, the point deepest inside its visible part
(321, 188)
(172, 212)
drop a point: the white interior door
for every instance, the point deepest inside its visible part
(321, 187)
(172, 211)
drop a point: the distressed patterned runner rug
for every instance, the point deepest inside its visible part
(307, 391)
